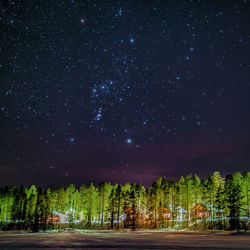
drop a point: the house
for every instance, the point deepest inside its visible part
(180, 214)
(200, 211)
(59, 217)
(130, 213)
(133, 217)
(163, 213)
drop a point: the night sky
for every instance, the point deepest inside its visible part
(123, 90)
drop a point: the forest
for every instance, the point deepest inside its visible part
(212, 203)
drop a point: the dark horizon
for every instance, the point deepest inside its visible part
(123, 91)
(203, 160)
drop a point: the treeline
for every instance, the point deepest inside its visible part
(166, 203)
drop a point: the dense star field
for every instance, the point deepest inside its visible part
(123, 90)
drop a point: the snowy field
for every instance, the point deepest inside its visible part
(126, 240)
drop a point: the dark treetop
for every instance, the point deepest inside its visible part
(123, 90)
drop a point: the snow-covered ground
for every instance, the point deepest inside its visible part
(126, 240)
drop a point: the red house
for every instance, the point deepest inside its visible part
(200, 211)
(163, 213)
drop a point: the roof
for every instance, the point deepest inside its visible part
(59, 214)
(163, 210)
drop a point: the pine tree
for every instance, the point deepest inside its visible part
(119, 196)
(112, 205)
(133, 202)
(6, 203)
(234, 199)
(31, 204)
(126, 189)
(197, 192)
(246, 188)
(61, 200)
(104, 190)
(69, 202)
(140, 204)
(213, 185)
(182, 195)
(90, 203)
(156, 196)
(83, 202)
(19, 207)
(221, 205)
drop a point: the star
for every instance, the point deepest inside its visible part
(120, 12)
(129, 141)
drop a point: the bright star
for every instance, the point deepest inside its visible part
(132, 40)
(129, 140)
(120, 12)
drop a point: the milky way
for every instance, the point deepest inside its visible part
(123, 90)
